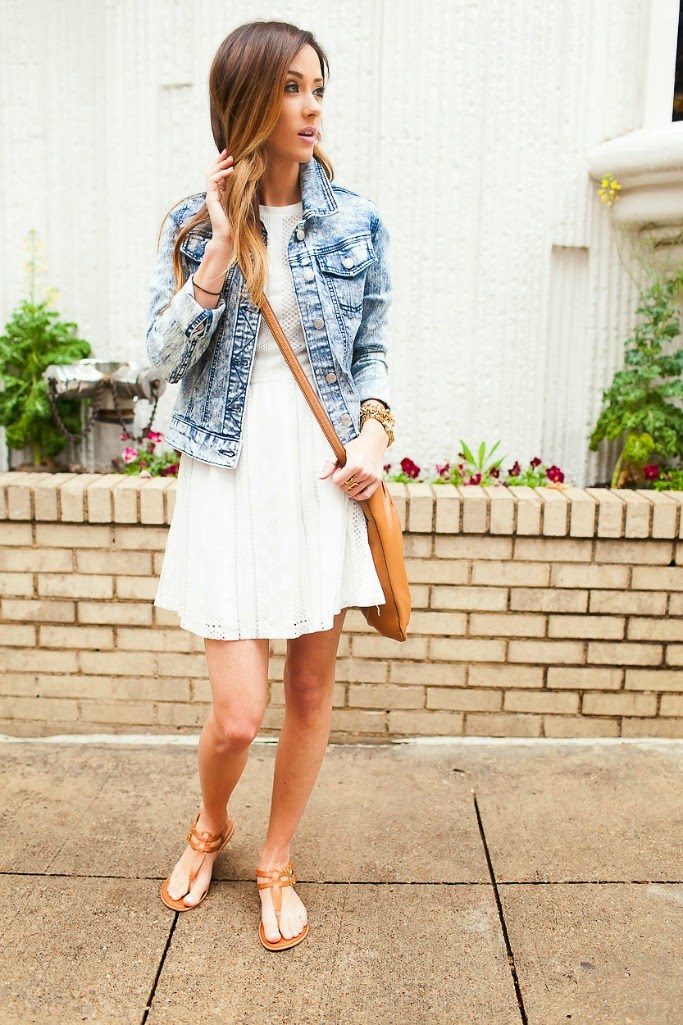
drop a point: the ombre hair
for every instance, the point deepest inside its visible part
(246, 88)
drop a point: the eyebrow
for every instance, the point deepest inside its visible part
(299, 75)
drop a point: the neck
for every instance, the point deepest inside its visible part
(279, 184)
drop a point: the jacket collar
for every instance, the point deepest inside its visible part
(317, 197)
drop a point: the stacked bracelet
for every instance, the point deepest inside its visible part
(376, 410)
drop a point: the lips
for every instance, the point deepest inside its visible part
(308, 132)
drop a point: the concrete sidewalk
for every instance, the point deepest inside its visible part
(489, 882)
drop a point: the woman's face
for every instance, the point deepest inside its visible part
(301, 109)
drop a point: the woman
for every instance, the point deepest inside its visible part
(268, 538)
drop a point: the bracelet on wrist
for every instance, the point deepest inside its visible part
(376, 410)
(201, 289)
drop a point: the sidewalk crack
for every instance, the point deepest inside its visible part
(152, 992)
(501, 916)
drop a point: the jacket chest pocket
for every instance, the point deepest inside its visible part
(344, 267)
(192, 247)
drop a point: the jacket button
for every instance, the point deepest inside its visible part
(318, 322)
(300, 234)
(346, 420)
(308, 274)
(347, 261)
(331, 378)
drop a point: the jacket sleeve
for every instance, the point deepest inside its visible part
(369, 367)
(176, 337)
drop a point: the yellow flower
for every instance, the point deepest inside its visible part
(605, 182)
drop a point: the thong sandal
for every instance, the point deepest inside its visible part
(278, 878)
(199, 841)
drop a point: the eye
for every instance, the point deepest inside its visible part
(320, 90)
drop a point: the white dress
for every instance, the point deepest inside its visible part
(266, 548)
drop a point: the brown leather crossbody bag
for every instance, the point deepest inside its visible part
(384, 527)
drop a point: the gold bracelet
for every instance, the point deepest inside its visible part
(374, 409)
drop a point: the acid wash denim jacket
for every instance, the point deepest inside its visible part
(338, 259)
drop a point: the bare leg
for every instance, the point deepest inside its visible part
(309, 682)
(238, 672)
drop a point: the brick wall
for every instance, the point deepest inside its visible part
(536, 612)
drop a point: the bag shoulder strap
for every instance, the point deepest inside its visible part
(303, 382)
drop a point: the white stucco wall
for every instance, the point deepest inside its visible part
(468, 122)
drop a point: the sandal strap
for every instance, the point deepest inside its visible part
(203, 840)
(278, 876)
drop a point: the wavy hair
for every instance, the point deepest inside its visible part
(246, 87)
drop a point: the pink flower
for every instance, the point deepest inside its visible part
(410, 468)
(555, 474)
(651, 472)
(155, 437)
(129, 454)
(170, 470)
(443, 469)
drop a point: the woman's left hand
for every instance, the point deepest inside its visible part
(364, 462)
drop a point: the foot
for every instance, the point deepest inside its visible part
(292, 916)
(192, 861)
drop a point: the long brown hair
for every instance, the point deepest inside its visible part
(246, 87)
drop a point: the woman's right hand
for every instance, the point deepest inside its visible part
(216, 176)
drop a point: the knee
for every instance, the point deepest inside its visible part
(307, 693)
(233, 732)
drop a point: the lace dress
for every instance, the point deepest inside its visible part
(267, 549)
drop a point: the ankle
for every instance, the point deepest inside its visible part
(211, 823)
(273, 857)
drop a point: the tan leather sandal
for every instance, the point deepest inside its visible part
(199, 841)
(279, 877)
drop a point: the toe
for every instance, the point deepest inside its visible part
(178, 885)
(268, 917)
(270, 926)
(200, 885)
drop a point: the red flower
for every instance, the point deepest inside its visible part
(171, 469)
(387, 467)
(515, 470)
(475, 479)
(651, 472)
(495, 472)
(410, 468)
(535, 462)
(555, 474)
(443, 469)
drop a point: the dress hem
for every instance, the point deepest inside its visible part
(279, 636)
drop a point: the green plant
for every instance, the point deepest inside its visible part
(34, 337)
(641, 401)
(479, 470)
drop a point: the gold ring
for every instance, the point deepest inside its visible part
(351, 483)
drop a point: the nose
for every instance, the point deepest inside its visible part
(313, 104)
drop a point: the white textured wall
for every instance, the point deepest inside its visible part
(468, 121)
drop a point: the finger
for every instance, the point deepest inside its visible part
(327, 469)
(364, 494)
(342, 473)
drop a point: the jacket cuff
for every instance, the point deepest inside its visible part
(194, 319)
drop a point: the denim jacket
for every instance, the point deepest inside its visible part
(338, 259)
